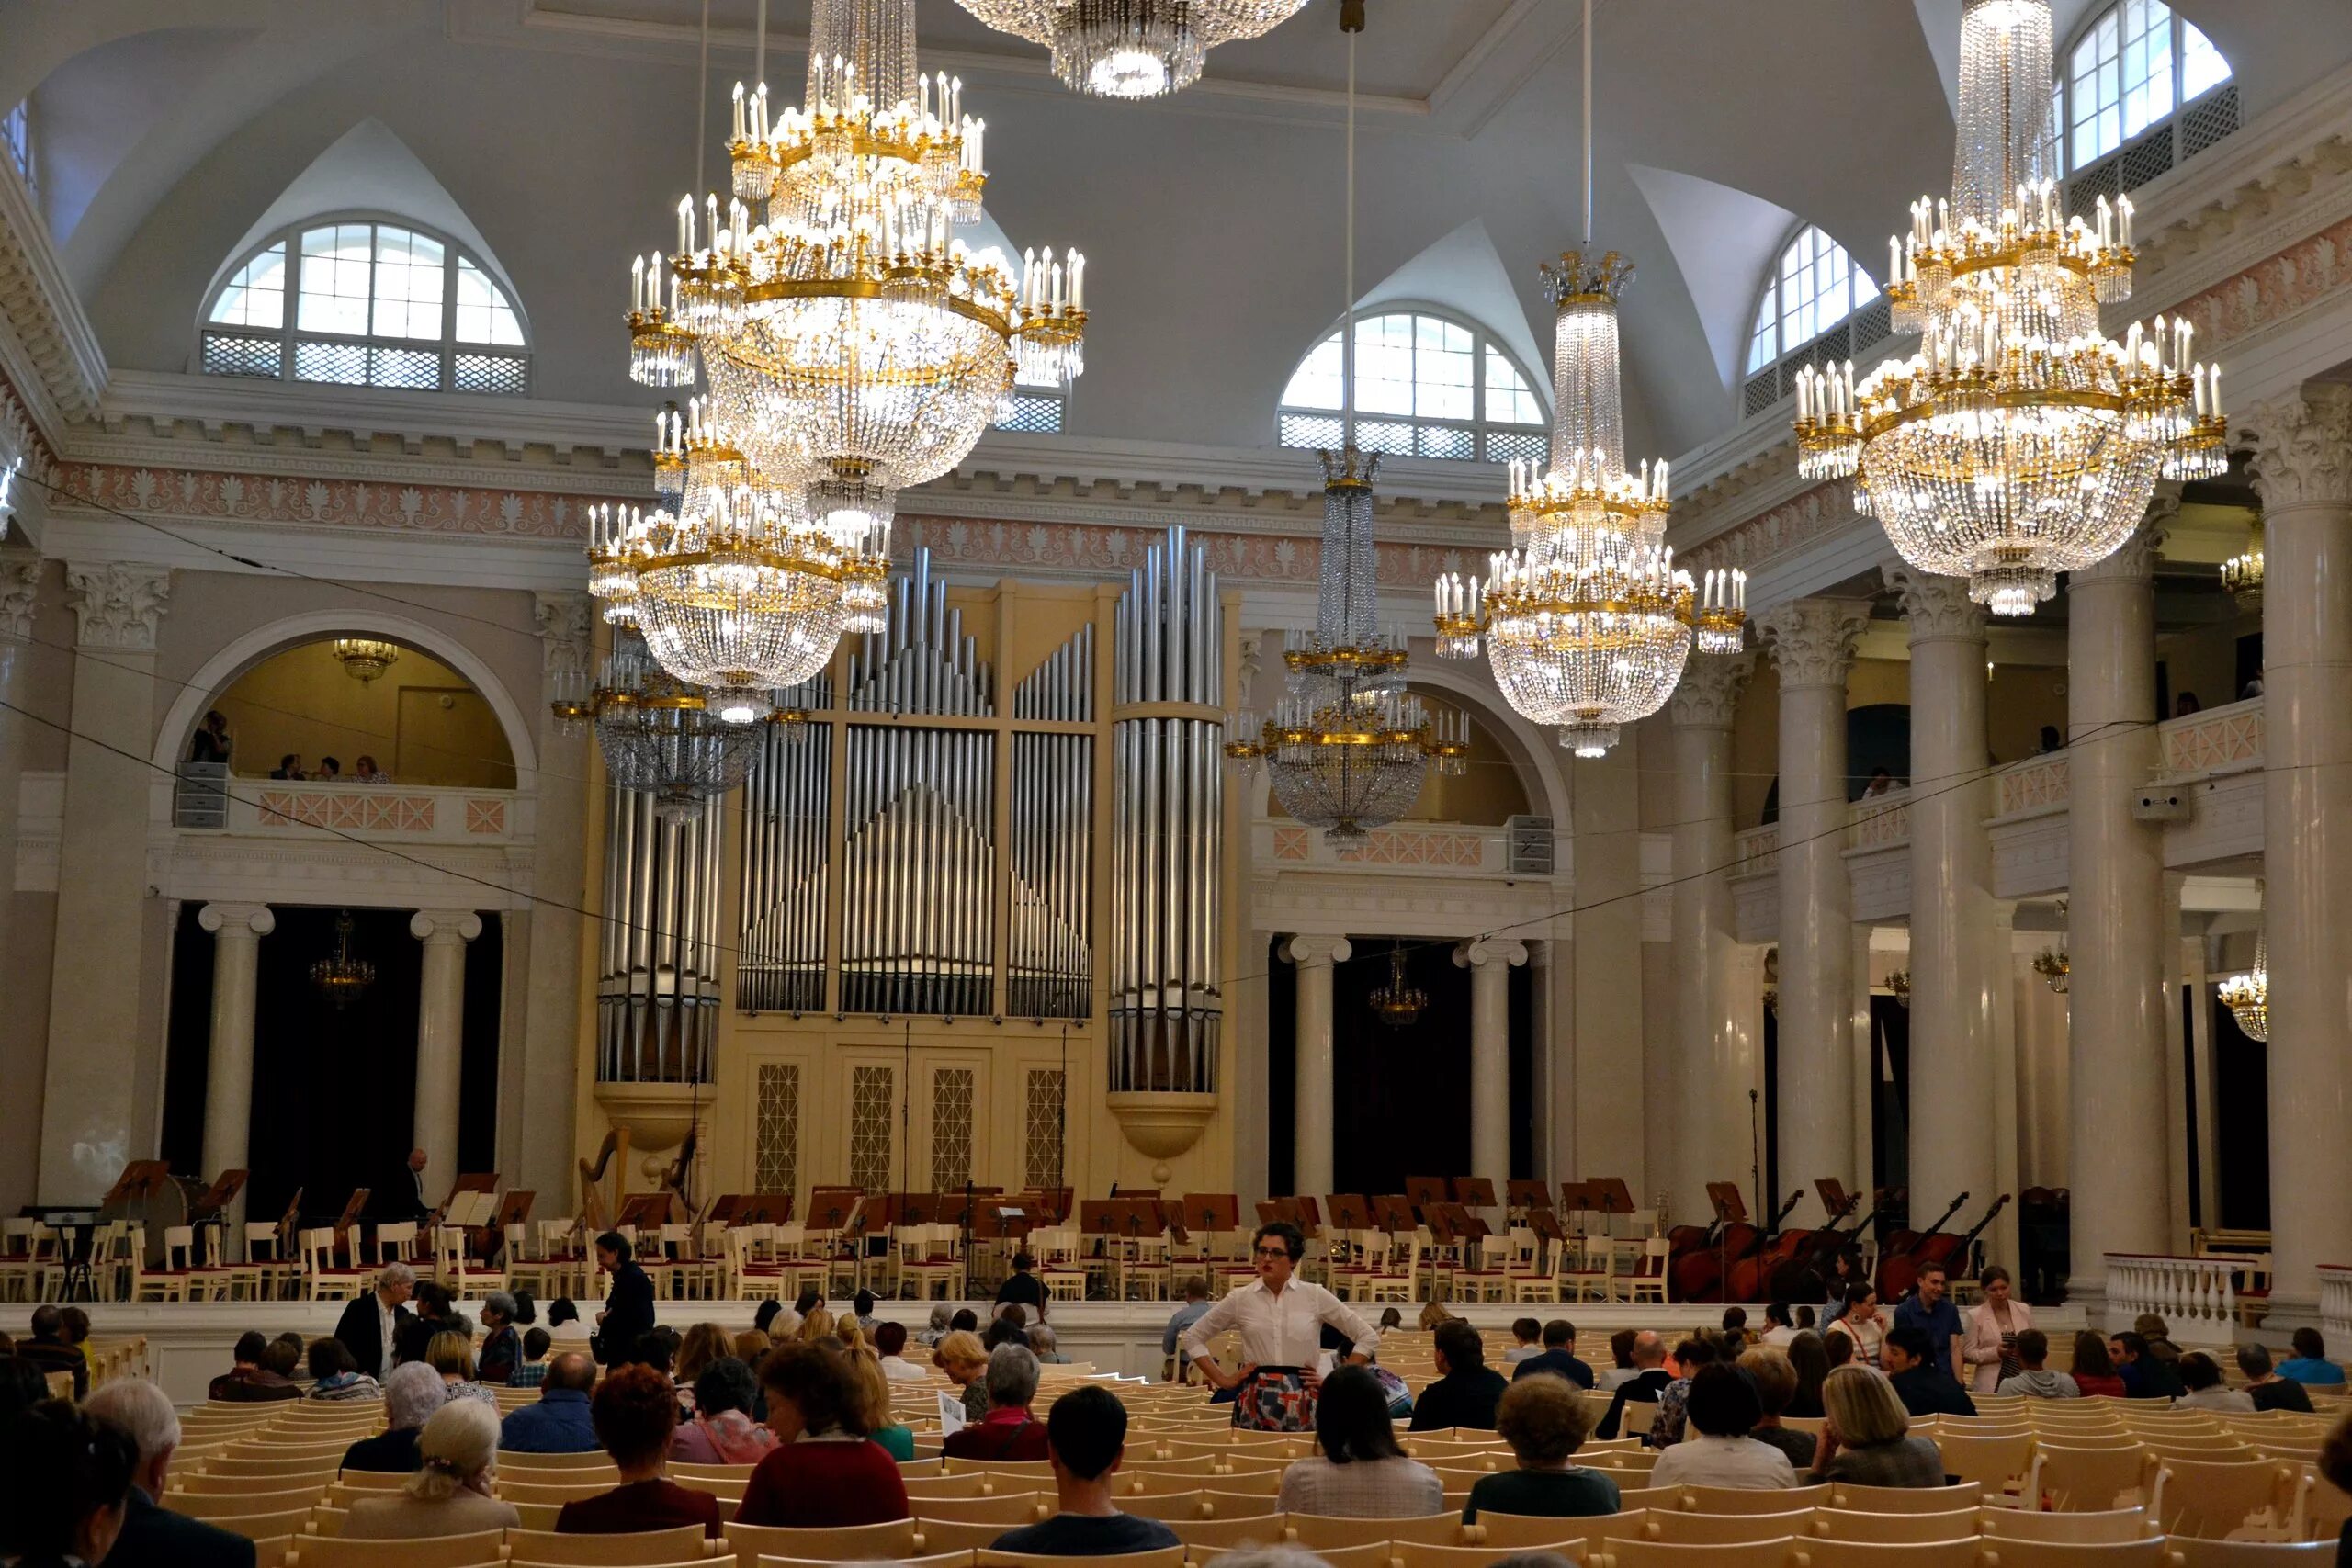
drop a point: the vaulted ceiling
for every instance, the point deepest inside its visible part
(564, 131)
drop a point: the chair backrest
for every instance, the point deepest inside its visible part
(1419, 1554)
(2197, 1497)
(1506, 1533)
(1164, 1557)
(1733, 1500)
(936, 1560)
(1224, 1501)
(484, 1546)
(2191, 1552)
(1167, 1507)
(2016, 1553)
(263, 1527)
(2070, 1478)
(1716, 1530)
(220, 1505)
(1007, 1507)
(1315, 1531)
(1957, 1553)
(1849, 1524)
(2090, 1528)
(1225, 1535)
(1664, 1555)
(888, 1542)
(631, 1551)
(1905, 1499)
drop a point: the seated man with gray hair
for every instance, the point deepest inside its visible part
(1041, 1342)
(372, 1323)
(412, 1393)
(154, 1537)
(1008, 1431)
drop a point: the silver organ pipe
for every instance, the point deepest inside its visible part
(657, 992)
(1050, 971)
(1166, 813)
(787, 811)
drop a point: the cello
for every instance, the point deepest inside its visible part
(1805, 1277)
(1682, 1242)
(1898, 1251)
(1938, 1248)
(1697, 1274)
(1750, 1268)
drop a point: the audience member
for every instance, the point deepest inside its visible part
(635, 1411)
(1734, 1330)
(704, 1343)
(1695, 1350)
(2266, 1387)
(563, 1322)
(2032, 1378)
(451, 1353)
(936, 1330)
(1391, 1317)
(1774, 1377)
(1527, 1339)
(435, 1308)
(1622, 1370)
(1041, 1341)
(154, 1537)
(334, 1376)
(1778, 1330)
(1557, 1356)
(1846, 1273)
(561, 1421)
(628, 1316)
(531, 1371)
(1009, 1431)
(1176, 1367)
(871, 1390)
(1007, 1327)
(69, 1485)
(1930, 1310)
(1866, 1438)
(2145, 1376)
(750, 1346)
(1922, 1377)
(861, 1307)
(2310, 1364)
(2200, 1375)
(1862, 1324)
(289, 766)
(1465, 1390)
(1544, 1421)
(2335, 1466)
(965, 1321)
(2095, 1375)
(1990, 1345)
(1811, 1360)
(1837, 1348)
(1086, 1435)
(51, 1351)
(412, 1393)
(890, 1340)
(22, 1385)
(1023, 1288)
(721, 1430)
(1647, 1356)
(764, 1316)
(502, 1343)
(1395, 1389)
(2152, 1327)
(657, 1348)
(451, 1492)
(1716, 1449)
(815, 1323)
(247, 1381)
(966, 1364)
(1361, 1472)
(1804, 1317)
(822, 1472)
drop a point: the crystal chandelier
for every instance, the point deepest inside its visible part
(1347, 748)
(2242, 573)
(1397, 1003)
(2019, 441)
(1586, 619)
(664, 738)
(2247, 996)
(340, 977)
(1134, 49)
(365, 658)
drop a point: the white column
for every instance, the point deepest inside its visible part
(1489, 961)
(440, 1036)
(101, 1097)
(1812, 641)
(237, 930)
(1715, 1039)
(1312, 1066)
(1954, 965)
(2302, 469)
(537, 1097)
(1604, 978)
(2041, 1068)
(2117, 1071)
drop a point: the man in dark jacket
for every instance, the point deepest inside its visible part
(51, 1351)
(371, 1325)
(153, 1537)
(412, 1393)
(628, 1310)
(1558, 1356)
(559, 1421)
(247, 1381)
(1650, 1380)
(1466, 1390)
(1922, 1379)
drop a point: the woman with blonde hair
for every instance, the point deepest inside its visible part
(815, 1325)
(1865, 1439)
(965, 1363)
(750, 1346)
(704, 1343)
(450, 1493)
(451, 1353)
(870, 1388)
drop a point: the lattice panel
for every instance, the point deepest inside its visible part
(1311, 430)
(951, 1128)
(226, 355)
(1041, 1161)
(502, 373)
(344, 363)
(1761, 393)
(1872, 322)
(873, 1109)
(2208, 119)
(1503, 446)
(776, 1146)
(1032, 414)
(413, 369)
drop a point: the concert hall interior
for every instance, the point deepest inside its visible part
(858, 675)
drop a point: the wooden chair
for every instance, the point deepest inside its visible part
(261, 1526)
(1317, 1531)
(931, 1259)
(1851, 1524)
(1726, 1529)
(1954, 1553)
(395, 1242)
(1228, 1535)
(2103, 1527)
(2012, 1553)
(1664, 1555)
(1904, 1499)
(933, 1536)
(1004, 1510)
(633, 1550)
(484, 1548)
(1730, 1500)
(513, 1464)
(327, 1282)
(1992, 1463)
(2069, 1478)
(1224, 1501)
(1165, 1506)
(217, 1506)
(1647, 1281)
(1164, 1557)
(2192, 1497)
(1503, 1534)
(2190, 1552)
(859, 1543)
(937, 1560)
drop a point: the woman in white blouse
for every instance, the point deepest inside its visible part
(1360, 1474)
(1862, 1324)
(1716, 1449)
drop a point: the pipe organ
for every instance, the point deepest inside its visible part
(657, 984)
(787, 810)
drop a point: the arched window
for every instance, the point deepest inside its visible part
(2132, 65)
(366, 304)
(1427, 386)
(1801, 316)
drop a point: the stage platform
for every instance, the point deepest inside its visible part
(189, 1343)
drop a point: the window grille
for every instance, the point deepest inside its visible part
(1427, 386)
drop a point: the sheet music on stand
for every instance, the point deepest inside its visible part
(1423, 1190)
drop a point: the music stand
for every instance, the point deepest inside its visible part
(917, 1208)
(1473, 1191)
(830, 1208)
(1424, 1190)
(1392, 1211)
(1350, 1212)
(764, 1209)
(1526, 1195)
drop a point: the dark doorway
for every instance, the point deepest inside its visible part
(2241, 1124)
(1877, 737)
(1890, 1070)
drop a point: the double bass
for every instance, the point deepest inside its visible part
(1749, 1270)
(1804, 1277)
(1897, 1259)
(1696, 1274)
(1938, 1248)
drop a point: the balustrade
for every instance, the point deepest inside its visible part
(2197, 1297)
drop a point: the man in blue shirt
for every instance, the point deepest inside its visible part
(1558, 1356)
(1930, 1312)
(2310, 1364)
(1196, 1303)
(558, 1423)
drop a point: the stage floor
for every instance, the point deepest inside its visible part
(189, 1343)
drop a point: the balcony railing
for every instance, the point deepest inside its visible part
(1450, 849)
(420, 814)
(2197, 1297)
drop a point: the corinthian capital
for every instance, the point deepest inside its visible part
(19, 591)
(2135, 561)
(563, 630)
(1709, 691)
(2302, 448)
(1812, 641)
(1938, 608)
(118, 604)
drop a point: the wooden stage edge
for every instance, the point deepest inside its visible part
(189, 1343)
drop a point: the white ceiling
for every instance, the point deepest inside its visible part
(563, 130)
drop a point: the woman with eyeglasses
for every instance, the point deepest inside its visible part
(1280, 1319)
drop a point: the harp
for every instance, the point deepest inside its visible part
(612, 1155)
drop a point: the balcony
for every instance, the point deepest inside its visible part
(207, 800)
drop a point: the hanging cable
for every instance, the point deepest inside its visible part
(1588, 124)
(702, 96)
(1348, 305)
